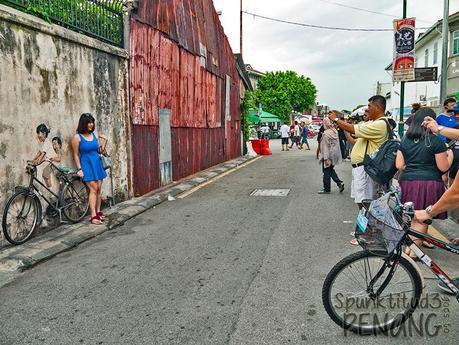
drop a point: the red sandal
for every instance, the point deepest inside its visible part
(95, 220)
(101, 216)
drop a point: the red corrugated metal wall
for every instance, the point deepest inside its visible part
(180, 58)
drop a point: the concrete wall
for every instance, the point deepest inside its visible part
(51, 75)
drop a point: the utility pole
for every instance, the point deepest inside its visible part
(444, 52)
(240, 29)
(401, 126)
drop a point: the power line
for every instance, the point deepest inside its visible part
(319, 26)
(366, 10)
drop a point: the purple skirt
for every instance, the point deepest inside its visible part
(423, 193)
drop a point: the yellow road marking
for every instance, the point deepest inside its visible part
(194, 189)
(435, 233)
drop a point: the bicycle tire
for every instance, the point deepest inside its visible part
(76, 192)
(6, 226)
(367, 329)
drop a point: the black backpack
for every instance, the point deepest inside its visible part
(381, 168)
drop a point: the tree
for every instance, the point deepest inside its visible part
(281, 92)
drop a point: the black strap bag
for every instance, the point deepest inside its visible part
(380, 165)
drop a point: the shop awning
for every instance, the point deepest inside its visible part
(256, 116)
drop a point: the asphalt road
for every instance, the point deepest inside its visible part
(216, 267)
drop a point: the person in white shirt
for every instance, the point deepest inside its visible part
(285, 132)
(265, 131)
(296, 135)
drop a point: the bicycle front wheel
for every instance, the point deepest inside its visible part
(20, 217)
(349, 299)
(75, 200)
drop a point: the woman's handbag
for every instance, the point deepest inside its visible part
(106, 160)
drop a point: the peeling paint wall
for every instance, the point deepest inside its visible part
(51, 75)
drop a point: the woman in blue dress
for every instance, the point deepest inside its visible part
(86, 149)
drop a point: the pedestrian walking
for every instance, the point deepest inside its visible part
(330, 157)
(370, 136)
(285, 132)
(422, 160)
(296, 135)
(304, 136)
(86, 150)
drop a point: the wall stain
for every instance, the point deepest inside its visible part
(3, 148)
(45, 90)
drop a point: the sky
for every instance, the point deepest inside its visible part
(344, 66)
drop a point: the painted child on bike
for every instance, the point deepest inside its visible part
(56, 159)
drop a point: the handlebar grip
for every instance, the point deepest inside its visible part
(428, 222)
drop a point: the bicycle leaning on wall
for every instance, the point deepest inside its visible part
(23, 210)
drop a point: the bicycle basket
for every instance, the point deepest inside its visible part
(377, 234)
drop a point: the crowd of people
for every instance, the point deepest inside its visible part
(427, 159)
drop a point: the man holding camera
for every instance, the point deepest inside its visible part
(370, 136)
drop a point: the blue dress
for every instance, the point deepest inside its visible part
(90, 161)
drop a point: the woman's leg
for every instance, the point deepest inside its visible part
(92, 185)
(420, 227)
(99, 195)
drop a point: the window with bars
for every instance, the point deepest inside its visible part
(456, 42)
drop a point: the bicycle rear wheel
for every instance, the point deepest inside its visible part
(346, 293)
(20, 216)
(75, 200)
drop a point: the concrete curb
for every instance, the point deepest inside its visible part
(63, 238)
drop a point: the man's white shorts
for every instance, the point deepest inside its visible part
(362, 186)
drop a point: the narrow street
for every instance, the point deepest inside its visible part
(215, 267)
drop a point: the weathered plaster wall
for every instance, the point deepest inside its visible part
(51, 75)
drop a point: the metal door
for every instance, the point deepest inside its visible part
(165, 152)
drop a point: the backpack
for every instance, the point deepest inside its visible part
(380, 166)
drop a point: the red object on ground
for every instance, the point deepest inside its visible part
(261, 147)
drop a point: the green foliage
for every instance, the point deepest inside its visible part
(102, 19)
(249, 102)
(281, 92)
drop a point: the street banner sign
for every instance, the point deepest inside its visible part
(426, 74)
(404, 54)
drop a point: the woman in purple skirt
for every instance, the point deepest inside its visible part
(423, 159)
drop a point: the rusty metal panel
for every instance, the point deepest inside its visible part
(145, 159)
(165, 76)
(144, 74)
(175, 89)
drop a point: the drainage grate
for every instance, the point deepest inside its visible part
(270, 192)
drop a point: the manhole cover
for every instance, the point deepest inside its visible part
(270, 192)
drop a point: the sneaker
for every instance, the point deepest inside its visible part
(443, 286)
(323, 192)
(341, 187)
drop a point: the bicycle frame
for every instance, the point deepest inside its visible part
(35, 190)
(406, 240)
(433, 266)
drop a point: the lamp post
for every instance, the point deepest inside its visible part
(401, 126)
(444, 52)
(240, 29)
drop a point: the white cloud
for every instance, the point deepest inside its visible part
(344, 65)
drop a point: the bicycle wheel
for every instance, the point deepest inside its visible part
(75, 200)
(346, 293)
(20, 216)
